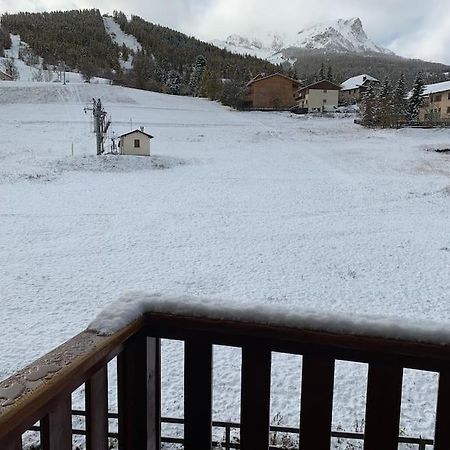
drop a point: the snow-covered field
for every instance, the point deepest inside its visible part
(287, 210)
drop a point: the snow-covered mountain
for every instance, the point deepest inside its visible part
(342, 35)
(339, 36)
(268, 46)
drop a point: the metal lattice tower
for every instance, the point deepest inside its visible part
(101, 123)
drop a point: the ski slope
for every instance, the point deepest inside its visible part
(121, 38)
(261, 207)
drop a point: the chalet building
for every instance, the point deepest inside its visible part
(274, 92)
(353, 88)
(5, 77)
(319, 97)
(436, 105)
(135, 142)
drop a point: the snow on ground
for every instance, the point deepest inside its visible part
(27, 72)
(287, 210)
(118, 36)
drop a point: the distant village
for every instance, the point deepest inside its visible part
(425, 105)
(282, 93)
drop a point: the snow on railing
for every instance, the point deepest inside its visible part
(135, 304)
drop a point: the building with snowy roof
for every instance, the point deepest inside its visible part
(273, 92)
(436, 106)
(319, 97)
(136, 142)
(353, 88)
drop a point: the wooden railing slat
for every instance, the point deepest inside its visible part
(383, 404)
(97, 411)
(316, 402)
(442, 432)
(136, 369)
(255, 398)
(56, 426)
(197, 395)
(154, 393)
(12, 444)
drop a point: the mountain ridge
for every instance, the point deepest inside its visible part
(339, 36)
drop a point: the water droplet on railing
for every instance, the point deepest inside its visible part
(11, 393)
(42, 372)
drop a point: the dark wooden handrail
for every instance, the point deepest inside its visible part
(42, 391)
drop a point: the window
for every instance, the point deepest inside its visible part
(448, 109)
(448, 96)
(438, 98)
(324, 100)
(325, 91)
(137, 143)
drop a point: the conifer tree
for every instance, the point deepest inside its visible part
(196, 79)
(416, 100)
(330, 74)
(400, 103)
(322, 72)
(125, 52)
(211, 86)
(5, 41)
(384, 106)
(173, 83)
(233, 94)
(368, 106)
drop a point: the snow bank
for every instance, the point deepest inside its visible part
(131, 306)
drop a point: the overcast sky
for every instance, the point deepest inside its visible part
(412, 28)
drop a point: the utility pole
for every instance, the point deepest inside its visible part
(101, 124)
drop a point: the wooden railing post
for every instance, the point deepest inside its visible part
(197, 395)
(384, 395)
(316, 402)
(255, 398)
(138, 373)
(97, 411)
(442, 432)
(56, 426)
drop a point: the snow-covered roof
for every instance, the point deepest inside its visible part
(356, 82)
(436, 87)
(261, 76)
(136, 131)
(322, 84)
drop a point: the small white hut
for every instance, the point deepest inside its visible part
(136, 142)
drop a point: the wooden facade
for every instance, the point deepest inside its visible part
(273, 92)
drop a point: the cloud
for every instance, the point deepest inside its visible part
(411, 28)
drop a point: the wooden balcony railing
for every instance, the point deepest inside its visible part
(42, 391)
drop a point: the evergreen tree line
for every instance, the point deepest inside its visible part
(175, 63)
(347, 65)
(5, 41)
(322, 74)
(76, 37)
(390, 106)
